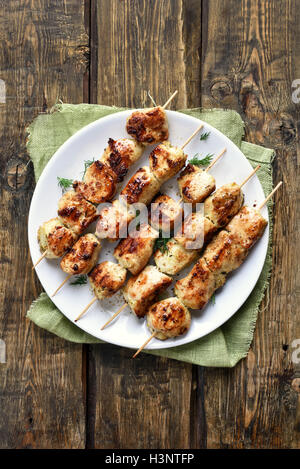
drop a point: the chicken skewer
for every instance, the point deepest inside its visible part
(165, 161)
(133, 253)
(149, 126)
(98, 185)
(81, 258)
(196, 184)
(227, 213)
(221, 258)
(56, 236)
(133, 250)
(199, 228)
(141, 290)
(137, 190)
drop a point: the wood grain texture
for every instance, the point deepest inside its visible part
(250, 56)
(240, 54)
(42, 58)
(140, 46)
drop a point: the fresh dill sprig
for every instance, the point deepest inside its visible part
(79, 280)
(64, 183)
(203, 161)
(161, 243)
(204, 136)
(87, 164)
(213, 299)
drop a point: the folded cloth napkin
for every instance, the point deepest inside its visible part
(229, 343)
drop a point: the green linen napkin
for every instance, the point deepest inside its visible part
(229, 343)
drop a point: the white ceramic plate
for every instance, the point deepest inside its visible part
(127, 330)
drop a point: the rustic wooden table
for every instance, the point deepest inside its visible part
(242, 55)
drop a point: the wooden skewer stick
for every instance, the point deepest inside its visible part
(250, 175)
(191, 137)
(114, 316)
(86, 308)
(62, 284)
(270, 195)
(170, 99)
(40, 259)
(144, 344)
(152, 100)
(215, 160)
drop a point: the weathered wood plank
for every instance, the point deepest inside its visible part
(42, 58)
(142, 45)
(250, 56)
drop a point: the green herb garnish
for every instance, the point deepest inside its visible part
(64, 183)
(213, 299)
(161, 244)
(79, 280)
(204, 136)
(203, 161)
(87, 164)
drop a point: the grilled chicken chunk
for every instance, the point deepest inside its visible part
(223, 254)
(75, 212)
(121, 154)
(148, 126)
(196, 230)
(165, 161)
(55, 238)
(83, 255)
(99, 183)
(134, 252)
(197, 287)
(141, 188)
(223, 204)
(247, 226)
(174, 258)
(168, 318)
(113, 221)
(165, 213)
(106, 279)
(141, 290)
(195, 184)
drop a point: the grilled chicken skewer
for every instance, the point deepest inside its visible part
(101, 178)
(54, 239)
(99, 184)
(133, 258)
(199, 228)
(141, 290)
(166, 319)
(149, 126)
(134, 252)
(81, 258)
(222, 256)
(196, 184)
(113, 220)
(165, 162)
(56, 236)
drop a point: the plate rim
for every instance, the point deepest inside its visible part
(152, 345)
